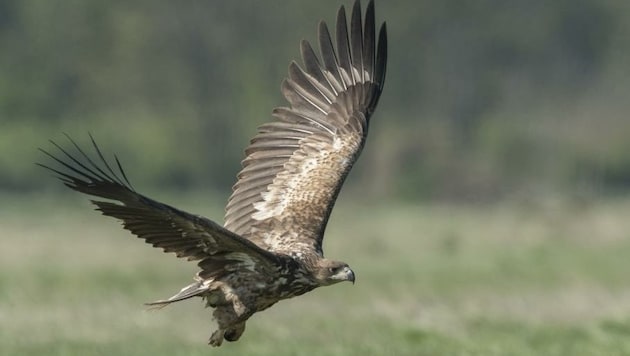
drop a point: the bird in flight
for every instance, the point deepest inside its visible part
(270, 246)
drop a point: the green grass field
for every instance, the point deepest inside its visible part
(512, 279)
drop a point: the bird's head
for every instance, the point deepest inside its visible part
(331, 272)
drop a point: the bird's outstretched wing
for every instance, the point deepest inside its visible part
(188, 236)
(296, 165)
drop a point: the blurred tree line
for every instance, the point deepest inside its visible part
(484, 98)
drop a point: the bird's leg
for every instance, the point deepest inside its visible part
(217, 338)
(230, 317)
(226, 316)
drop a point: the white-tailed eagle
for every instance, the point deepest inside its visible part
(270, 247)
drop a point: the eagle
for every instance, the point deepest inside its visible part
(270, 246)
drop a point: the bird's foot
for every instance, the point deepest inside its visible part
(217, 338)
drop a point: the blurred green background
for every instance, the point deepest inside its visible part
(483, 99)
(487, 215)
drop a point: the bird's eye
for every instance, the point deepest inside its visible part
(332, 270)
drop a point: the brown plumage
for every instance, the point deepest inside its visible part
(270, 247)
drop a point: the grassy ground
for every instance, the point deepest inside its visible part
(512, 279)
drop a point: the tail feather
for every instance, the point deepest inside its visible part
(193, 290)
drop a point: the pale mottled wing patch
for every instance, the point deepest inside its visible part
(295, 166)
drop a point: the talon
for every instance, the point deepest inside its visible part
(217, 338)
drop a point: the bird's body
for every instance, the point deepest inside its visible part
(270, 247)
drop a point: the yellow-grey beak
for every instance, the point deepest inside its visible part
(349, 274)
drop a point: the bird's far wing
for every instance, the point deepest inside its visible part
(296, 165)
(188, 236)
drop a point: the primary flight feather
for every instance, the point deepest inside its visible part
(270, 247)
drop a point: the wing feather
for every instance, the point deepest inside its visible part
(307, 120)
(314, 72)
(295, 166)
(343, 48)
(356, 31)
(308, 87)
(368, 42)
(187, 236)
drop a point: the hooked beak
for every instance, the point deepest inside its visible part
(349, 274)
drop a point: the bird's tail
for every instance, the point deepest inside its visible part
(192, 290)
